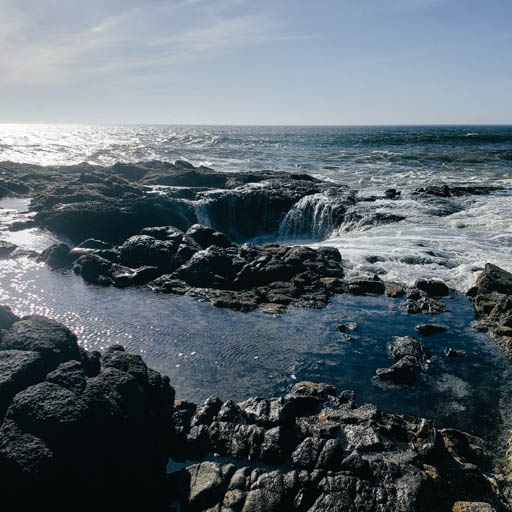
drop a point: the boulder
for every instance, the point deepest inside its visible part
(206, 236)
(57, 256)
(403, 372)
(359, 286)
(94, 269)
(432, 288)
(19, 369)
(144, 250)
(55, 342)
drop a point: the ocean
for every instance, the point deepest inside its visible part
(447, 241)
(205, 350)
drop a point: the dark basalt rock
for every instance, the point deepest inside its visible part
(145, 250)
(446, 191)
(359, 286)
(116, 202)
(18, 370)
(409, 346)
(94, 269)
(106, 423)
(206, 237)
(432, 288)
(451, 352)
(492, 300)
(429, 329)
(392, 193)
(411, 355)
(243, 277)
(418, 301)
(110, 421)
(52, 340)
(335, 456)
(57, 256)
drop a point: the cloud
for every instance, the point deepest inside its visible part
(47, 41)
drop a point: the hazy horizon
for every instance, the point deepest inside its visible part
(234, 62)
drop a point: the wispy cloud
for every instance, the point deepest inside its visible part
(42, 43)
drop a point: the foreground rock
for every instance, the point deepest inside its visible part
(322, 452)
(97, 430)
(492, 299)
(72, 420)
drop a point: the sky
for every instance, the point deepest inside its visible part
(256, 62)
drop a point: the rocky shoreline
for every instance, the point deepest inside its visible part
(91, 426)
(107, 422)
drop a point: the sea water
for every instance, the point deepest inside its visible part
(207, 351)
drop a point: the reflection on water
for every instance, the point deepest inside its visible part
(206, 350)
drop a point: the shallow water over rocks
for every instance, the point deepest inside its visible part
(206, 350)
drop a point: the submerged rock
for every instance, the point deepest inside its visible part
(411, 355)
(429, 329)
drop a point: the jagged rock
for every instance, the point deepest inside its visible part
(418, 302)
(492, 300)
(394, 290)
(429, 329)
(91, 243)
(71, 418)
(446, 191)
(392, 193)
(403, 372)
(411, 355)
(19, 369)
(144, 250)
(124, 277)
(409, 346)
(472, 506)
(110, 421)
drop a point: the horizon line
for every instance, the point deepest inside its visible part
(291, 125)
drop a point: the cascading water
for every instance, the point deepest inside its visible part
(202, 212)
(314, 216)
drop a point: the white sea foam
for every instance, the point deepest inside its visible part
(453, 248)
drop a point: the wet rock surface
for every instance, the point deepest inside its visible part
(411, 355)
(73, 418)
(315, 450)
(241, 277)
(492, 299)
